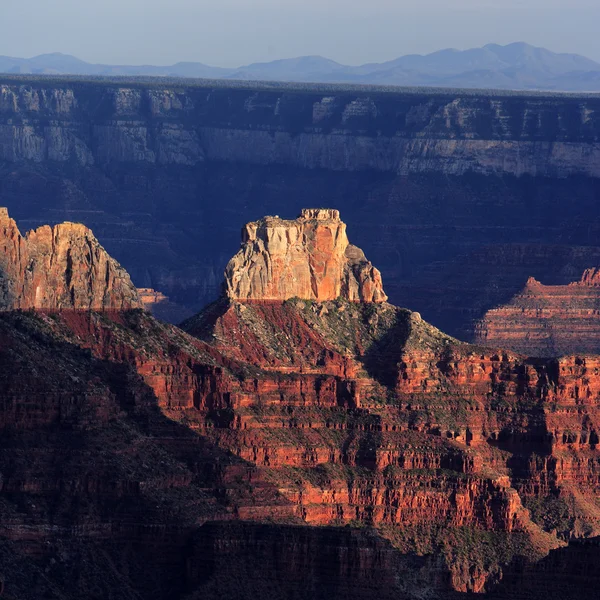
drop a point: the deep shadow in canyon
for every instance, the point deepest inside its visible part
(457, 197)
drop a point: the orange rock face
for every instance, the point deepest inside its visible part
(547, 320)
(150, 297)
(449, 432)
(256, 416)
(308, 258)
(61, 267)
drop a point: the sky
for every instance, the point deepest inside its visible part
(232, 33)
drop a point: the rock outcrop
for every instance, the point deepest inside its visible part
(309, 258)
(61, 267)
(346, 447)
(547, 320)
(161, 307)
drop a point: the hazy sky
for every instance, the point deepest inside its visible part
(237, 32)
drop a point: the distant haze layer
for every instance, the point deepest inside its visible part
(228, 33)
(516, 66)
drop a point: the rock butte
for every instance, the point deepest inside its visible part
(308, 258)
(547, 320)
(60, 267)
(161, 307)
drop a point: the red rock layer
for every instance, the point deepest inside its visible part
(338, 414)
(547, 320)
(61, 267)
(100, 492)
(319, 433)
(309, 258)
(130, 434)
(421, 429)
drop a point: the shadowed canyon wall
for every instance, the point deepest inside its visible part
(456, 197)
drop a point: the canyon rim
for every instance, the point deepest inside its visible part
(388, 386)
(459, 196)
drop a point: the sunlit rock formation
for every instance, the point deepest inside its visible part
(308, 258)
(61, 267)
(547, 320)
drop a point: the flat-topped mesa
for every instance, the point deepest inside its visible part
(309, 258)
(60, 267)
(547, 320)
(319, 214)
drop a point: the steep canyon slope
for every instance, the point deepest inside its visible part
(459, 196)
(292, 448)
(547, 320)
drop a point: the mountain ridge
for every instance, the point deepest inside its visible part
(513, 66)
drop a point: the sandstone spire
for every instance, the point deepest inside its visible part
(60, 267)
(309, 257)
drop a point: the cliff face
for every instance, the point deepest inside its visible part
(370, 414)
(198, 464)
(547, 320)
(460, 463)
(61, 267)
(337, 130)
(309, 258)
(377, 417)
(430, 183)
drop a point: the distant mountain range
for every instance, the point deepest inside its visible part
(515, 66)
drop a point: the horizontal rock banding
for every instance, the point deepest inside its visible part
(317, 413)
(547, 320)
(308, 258)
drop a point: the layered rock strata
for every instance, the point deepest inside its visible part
(458, 197)
(308, 258)
(547, 320)
(140, 460)
(61, 267)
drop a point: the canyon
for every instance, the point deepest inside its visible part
(287, 447)
(457, 196)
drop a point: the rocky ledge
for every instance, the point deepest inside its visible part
(547, 320)
(308, 258)
(60, 267)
